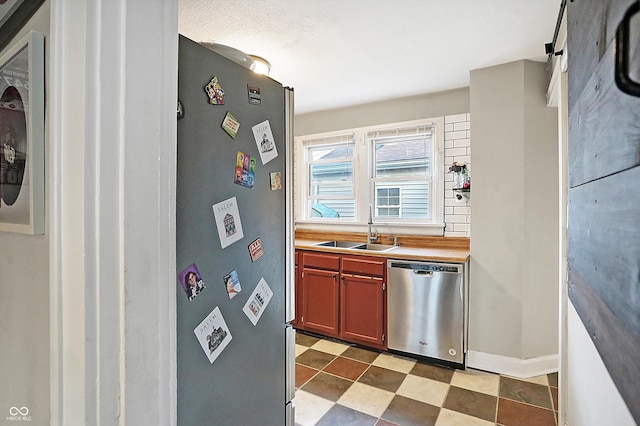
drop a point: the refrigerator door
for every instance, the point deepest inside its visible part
(238, 377)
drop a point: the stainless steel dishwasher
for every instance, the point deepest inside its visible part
(426, 309)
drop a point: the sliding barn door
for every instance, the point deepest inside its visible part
(604, 184)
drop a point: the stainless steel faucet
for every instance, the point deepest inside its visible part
(372, 236)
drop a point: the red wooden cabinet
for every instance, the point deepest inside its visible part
(361, 310)
(320, 293)
(342, 296)
(362, 300)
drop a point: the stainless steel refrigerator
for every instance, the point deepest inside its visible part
(235, 349)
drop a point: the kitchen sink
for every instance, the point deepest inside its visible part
(339, 244)
(355, 245)
(375, 247)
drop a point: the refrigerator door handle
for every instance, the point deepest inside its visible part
(290, 360)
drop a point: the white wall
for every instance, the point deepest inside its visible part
(593, 399)
(451, 106)
(24, 299)
(513, 288)
(391, 111)
(112, 216)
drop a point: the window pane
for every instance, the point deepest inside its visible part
(409, 199)
(332, 171)
(386, 212)
(333, 208)
(330, 180)
(331, 153)
(409, 157)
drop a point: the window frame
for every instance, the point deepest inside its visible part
(309, 199)
(386, 181)
(364, 186)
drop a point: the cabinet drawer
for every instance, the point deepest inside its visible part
(321, 261)
(364, 266)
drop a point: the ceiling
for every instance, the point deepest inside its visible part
(337, 53)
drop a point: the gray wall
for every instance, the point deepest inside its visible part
(24, 301)
(513, 288)
(402, 109)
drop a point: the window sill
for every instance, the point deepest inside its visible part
(429, 229)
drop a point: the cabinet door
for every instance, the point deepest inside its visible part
(320, 301)
(362, 310)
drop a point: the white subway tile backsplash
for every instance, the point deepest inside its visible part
(456, 218)
(454, 202)
(462, 134)
(464, 125)
(457, 152)
(463, 158)
(460, 227)
(455, 118)
(457, 136)
(455, 234)
(461, 143)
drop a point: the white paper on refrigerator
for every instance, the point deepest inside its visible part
(213, 334)
(264, 140)
(228, 221)
(258, 301)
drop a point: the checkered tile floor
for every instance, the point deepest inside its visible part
(338, 384)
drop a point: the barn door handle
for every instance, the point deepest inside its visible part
(623, 81)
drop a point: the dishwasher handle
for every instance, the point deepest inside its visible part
(424, 273)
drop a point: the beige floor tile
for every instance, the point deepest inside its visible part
(424, 390)
(310, 408)
(540, 380)
(366, 399)
(300, 349)
(453, 418)
(395, 363)
(332, 348)
(478, 381)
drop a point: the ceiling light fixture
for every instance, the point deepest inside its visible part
(257, 64)
(260, 65)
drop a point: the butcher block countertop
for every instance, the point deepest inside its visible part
(440, 249)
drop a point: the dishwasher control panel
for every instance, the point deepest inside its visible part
(426, 267)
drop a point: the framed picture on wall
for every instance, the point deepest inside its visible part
(22, 136)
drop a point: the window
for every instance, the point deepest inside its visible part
(401, 165)
(388, 202)
(395, 171)
(330, 177)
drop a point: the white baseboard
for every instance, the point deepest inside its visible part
(515, 367)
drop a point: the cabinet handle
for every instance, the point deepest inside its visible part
(335, 276)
